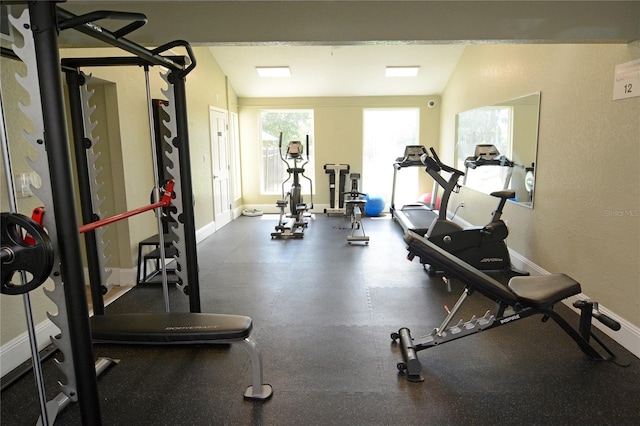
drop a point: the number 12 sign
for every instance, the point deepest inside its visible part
(626, 82)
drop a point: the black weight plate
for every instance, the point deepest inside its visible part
(35, 259)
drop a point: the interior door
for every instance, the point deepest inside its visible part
(220, 166)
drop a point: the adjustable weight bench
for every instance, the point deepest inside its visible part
(184, 329)
(523, 297)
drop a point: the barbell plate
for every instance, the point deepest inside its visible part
(35, 260)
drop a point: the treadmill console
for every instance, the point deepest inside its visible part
(412, 155)
(487, 155)
(486, 152)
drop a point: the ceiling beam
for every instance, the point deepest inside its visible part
(370, 22)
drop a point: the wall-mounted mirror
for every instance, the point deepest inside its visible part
(496, 147)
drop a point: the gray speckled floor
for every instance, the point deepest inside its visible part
(323, 311)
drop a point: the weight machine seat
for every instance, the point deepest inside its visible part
(185, 328)
(169, 328)
(538, 291)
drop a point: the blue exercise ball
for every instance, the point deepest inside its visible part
(374, 205)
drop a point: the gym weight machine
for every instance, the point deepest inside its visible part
(292, 225)
(39, 26)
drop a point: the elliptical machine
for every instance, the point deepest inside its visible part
(483, 247)
(292, 225)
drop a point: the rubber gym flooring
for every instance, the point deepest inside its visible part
(323, 312)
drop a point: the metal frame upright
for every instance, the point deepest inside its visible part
(176, 80)
(40, 25)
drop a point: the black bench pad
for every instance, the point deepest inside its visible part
(543, 291)
(169, 328)
(535, 291)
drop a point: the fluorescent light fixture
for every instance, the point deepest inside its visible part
(410, 71)
(273, 71)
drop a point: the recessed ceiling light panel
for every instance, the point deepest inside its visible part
(405, 71)
(274, 71)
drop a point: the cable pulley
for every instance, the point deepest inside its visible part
(26, 247)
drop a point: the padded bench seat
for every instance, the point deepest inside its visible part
(180, 328)
(543, 291)
(171, 328)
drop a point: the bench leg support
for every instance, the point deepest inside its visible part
(258, 390)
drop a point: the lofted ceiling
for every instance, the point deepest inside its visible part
(341, 47)
(337, 70)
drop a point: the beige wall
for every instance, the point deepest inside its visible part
(338, 127)
(588, 153)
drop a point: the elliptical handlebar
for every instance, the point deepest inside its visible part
(306, 177)
(307, 160)
(280, 150)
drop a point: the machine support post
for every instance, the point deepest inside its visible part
(45, 34)
(182, 126)
(586, 311)
(84, 186)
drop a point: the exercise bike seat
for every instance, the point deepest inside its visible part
(504, 194)
(543, 291)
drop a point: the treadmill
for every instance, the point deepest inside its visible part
(416, 217)
(488, 155)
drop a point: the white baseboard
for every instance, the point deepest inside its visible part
(206, 231)
(237, 212)
(628, 336)
(18, 350)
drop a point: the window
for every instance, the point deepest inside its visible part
(294, 125)
(386, 133)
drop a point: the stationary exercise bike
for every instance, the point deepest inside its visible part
(482, 247)
(293, 224)
(354, 207)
